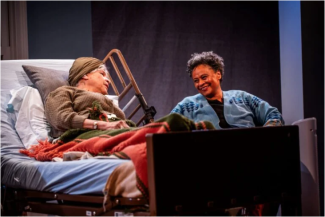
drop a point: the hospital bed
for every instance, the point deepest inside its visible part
(195, 183)
(61, 188)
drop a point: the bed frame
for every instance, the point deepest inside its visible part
(171, 198)
(20, 201)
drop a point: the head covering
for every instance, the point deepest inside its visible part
(81, 67)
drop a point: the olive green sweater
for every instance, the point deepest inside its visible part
(67, 108)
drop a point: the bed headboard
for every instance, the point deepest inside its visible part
(13, 75)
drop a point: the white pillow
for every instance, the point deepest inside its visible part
(114, 98)
(28, 115)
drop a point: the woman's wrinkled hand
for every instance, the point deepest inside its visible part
(113, 125)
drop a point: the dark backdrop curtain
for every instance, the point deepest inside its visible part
(157, 39)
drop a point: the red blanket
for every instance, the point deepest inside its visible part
(127, 145)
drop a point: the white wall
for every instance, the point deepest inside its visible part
(291, 61)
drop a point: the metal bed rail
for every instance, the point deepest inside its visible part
(20, 201)
(149, 112)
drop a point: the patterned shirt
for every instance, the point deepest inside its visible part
(241, 109)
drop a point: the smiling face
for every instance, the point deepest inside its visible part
(207, 82)
(97, 81)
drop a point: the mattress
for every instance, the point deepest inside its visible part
(19, 171)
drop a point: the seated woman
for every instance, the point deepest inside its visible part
(67, 107)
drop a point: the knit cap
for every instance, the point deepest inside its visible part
(81, 67)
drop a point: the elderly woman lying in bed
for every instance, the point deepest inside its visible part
(88, 122)
(68, 107)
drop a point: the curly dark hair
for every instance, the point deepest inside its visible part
(206, 58)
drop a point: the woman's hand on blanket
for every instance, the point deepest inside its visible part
(102, 125)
